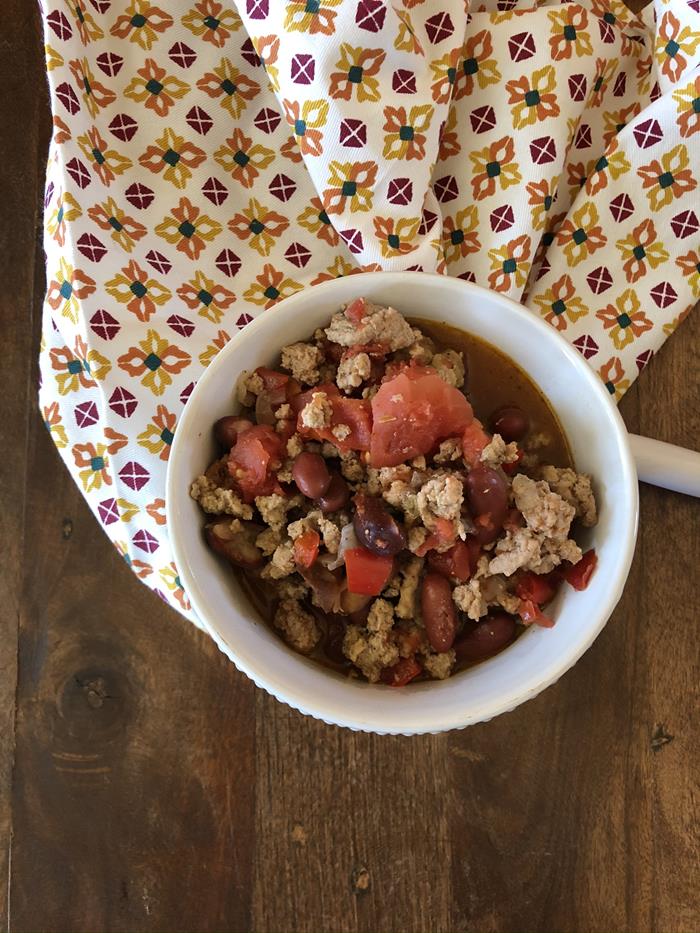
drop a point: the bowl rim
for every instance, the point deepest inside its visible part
(265, 679)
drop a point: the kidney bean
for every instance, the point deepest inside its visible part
(336, 495)
(376, 528)
(510, 422)
(487, 497)
(227, 429)
(485, 638)
(439, 611)
(311, 474)
(239, 548)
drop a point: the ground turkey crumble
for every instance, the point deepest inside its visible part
(294, 541)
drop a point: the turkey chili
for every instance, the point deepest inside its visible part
(397, 497)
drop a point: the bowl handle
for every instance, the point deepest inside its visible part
(666, 465)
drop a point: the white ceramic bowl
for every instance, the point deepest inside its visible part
(539, 657)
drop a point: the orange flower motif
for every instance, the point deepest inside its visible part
(155, 361)
(510, 265)
(105, 162)
(156, 510)
(445, 75)
(613, 165)
(188, 229)
(137, 291)
(271, 287)
(88, 30)
(267, 49)
(230, 87)
(315, 219)
(52, 423)
(78, 369)
(203, 295)
(169, 576)
(153, 87)
(533, 98)
(494, 165)
(290, 150)
(639, 249)
(405, 131)
(476, 68)
(615, 121)
(689, 264)
(667, 179)
(123, 229)
(95, 95)
(672, 46)
(67, 208)
(612, 375)
(459, 236)
(61, 132)
(209, 20)
(349, 186)
(581, 234)
(688, 100)
(541, 199)
(219, 342)
(243, 160)
(397, 236)
(141, 23)
(307, 123)
(576, 177)
(603, 76)
(66, 288)
(338, 268)
(314, 17)
(357, 74)
(406, 39)
(259, 225)
(449, 138)
(624, 319)
(559, 305)
(95, 458)
(157, 438)
(569, 36)
(172, 156)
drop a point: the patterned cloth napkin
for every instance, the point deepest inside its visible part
(211, 157)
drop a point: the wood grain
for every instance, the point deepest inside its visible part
(150, 786)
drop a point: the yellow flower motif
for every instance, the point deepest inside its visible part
(397, 237)
(242, 160)
(314, 17)
(67, 208)
(560, 305)
(494, 166)
(611, 373)
(170, 577)
(356, 76)
(66, 288)
(188, 229)
(172, 156)
(668, 179)
(307, 123)
(53, 58)
(210, 21)
(613, 165)
(459, 236)
(258, 225)
(219, 342)
(155, 88)
(267, 49)
(127, 510)
(158, 436)
(581, 235)
(106, 163)
(639, 249)
(154, 361)
(95, 95)
(123, 229)
(88, 29)
(541, 199)
(605, 70)
(78, 368)
(405, 131)
(141, 22)
(509, 264)
(406, 39)
(95, 458)
(674, 47)
(688, 107)
(314, 219)
(271, 286)
(673, 325)
(349, 185)
(229, 86)
(689, 264)
(569, 36)
(624, 320)
(533, 98)
(203, 295)
(140, 293)
(52, 422)
(338, 268)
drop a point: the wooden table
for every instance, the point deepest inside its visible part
(146, 785)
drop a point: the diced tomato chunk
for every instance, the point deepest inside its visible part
(535, 587)
(253, 459)
(356, 413)
(306, 548)
(529, 612)
(412, 412)
(510, 468)
(367, 573)
(401, 673)
(474, 439)
(579, 575)
(356, 310)
(455, 563)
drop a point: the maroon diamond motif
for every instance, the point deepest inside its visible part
(302, 68)
(467, 276)
(427, 222)
(370, 15)
(439, 27)
(502, 218)
(267, 120)
(60, 25)
(249, 54)
(182, 55)
(145, 541)
(416, 268)
(620, 85)
(578, 85)
(134, 475)
(684, 224)
(607, 33)
(199, 120)
(158, 261)
(48, 194)
(599, 280)
(186, 392)
(86, 414)
(663, 294)
(78, 172)
(66, 95)
(545, 267)
(122, 402)
(91, 247)
(123, 127)
(353, 240)
(586, 345)
(257, 9)
(521, 46)
(297, 254)
(621, 207)
(400, 191)
(181, 325)
(215, 191)
(403, 81)
(108, 511)
(110, 63)
(482, 119)
(694, 5)
(139, 195)
(648, 133)
(643, 359)
(655, 92)
(352, 134)
(228, 262)
(101, 5)
(104, 325)
(243, 319)
(446, 189)
(282, 187)
(583, 138)
(543, 150)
